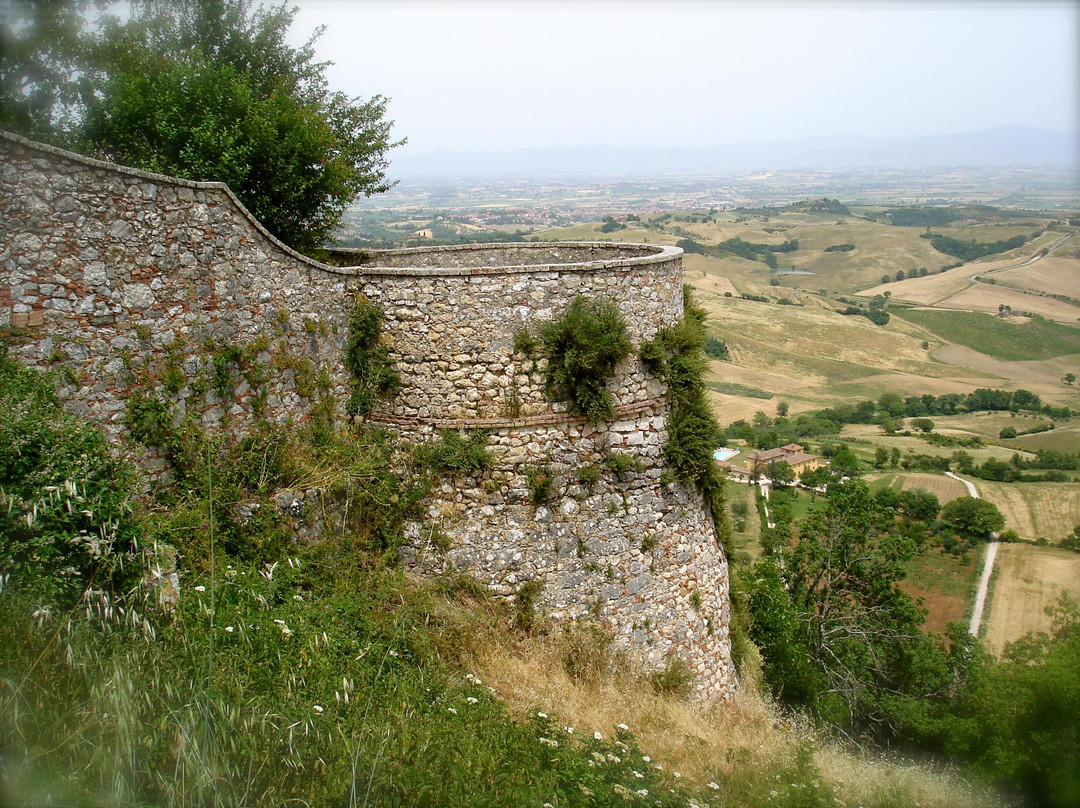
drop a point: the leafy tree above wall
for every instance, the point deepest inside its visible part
(205, 90)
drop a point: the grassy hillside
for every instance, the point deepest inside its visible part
(275, 673)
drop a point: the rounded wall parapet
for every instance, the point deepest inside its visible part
(452, 315)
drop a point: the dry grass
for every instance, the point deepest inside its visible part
(702, 741)
(946, 489)
(988, 297)
(1041, 376)
(1055, 275)
(1028, 579)
(1035, 510)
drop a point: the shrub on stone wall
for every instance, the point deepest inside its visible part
(677, 356)
(373, 374)
(454, 452)
(583, 348)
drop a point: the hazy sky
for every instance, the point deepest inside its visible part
(506, 75)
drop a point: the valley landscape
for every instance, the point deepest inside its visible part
(1006, 321)
(667, 405)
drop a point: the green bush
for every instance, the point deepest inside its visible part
(373, 374)
(620, 464)
(453, 452)
(588, 474)
(675, 679)
(583, 348)
(541, 484)
(66, 503)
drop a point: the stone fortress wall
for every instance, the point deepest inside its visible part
(110, 277)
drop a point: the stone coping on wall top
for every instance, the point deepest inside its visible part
(661, 253)
(545, 419)
(631, 258)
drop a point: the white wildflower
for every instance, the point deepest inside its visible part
(541, 715)
(297, 597)
(713, 786)
(200, 588)
(598, 736)
(318, 708)
(569, 730)
(548, 742)
(392, 652)
(646, 758)
(639, 775)
(451, 710)
(229, 629)
(623, 727)
(472, 700)
(677, 774)
(643, 792)
(284, 628)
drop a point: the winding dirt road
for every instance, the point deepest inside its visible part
(988, 567)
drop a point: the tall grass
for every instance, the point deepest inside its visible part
(311, 675)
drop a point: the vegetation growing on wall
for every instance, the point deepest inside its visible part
(321, 656)
(677, 356)
(368, 362)
(65, 503)
(583, 348)
(454, 452)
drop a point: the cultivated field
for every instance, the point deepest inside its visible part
(1065, 438)
(1035, 510)
(987, 425)
(1016, 281)
(1028, 579)
(866, 437)
(944, 488)
(989, 297)
(1052, 275)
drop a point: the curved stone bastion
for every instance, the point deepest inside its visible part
(118, 281)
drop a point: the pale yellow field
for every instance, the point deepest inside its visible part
(955, 289)
(988, 297)
(925, 291)
(1028, 579)
(1041, 376)
(1053, 275)
(699, 271)
(946, 489)
(1035, 510)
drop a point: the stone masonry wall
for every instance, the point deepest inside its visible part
(115, 279)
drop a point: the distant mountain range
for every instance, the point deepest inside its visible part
(1006, 146)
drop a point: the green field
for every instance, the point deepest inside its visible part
(733, 389)
(1001, 339)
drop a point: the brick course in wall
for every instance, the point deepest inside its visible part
(110, 276)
